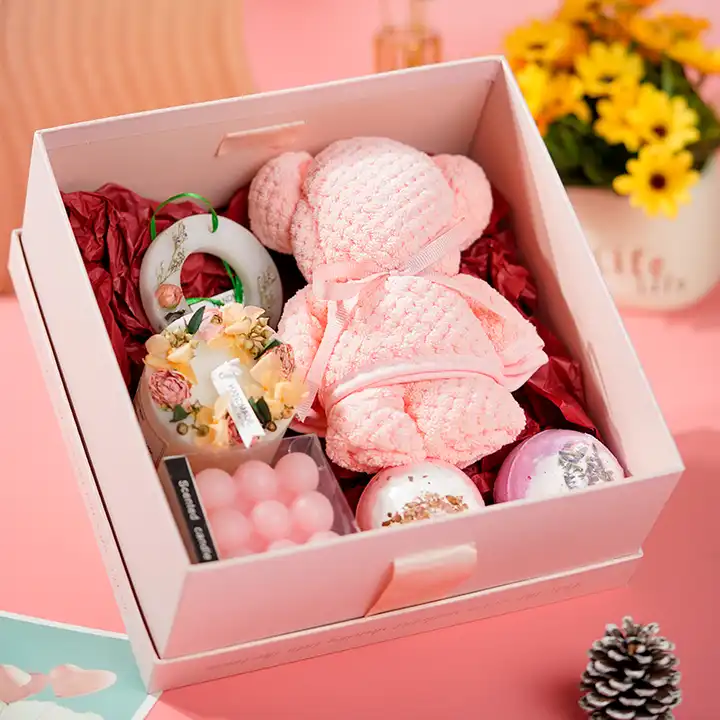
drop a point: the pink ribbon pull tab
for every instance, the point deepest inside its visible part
(424, 577)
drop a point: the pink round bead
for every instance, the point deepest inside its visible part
(257, 543)
(239, 552)
(323, 536)
(271, 520)
(312, 512)
(281, 544)
(216, 488)
(297, 473)
(286, 497)
(299, 536)
(256, 481)
(231, 530)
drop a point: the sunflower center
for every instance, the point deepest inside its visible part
(660, 131)
(536, 47)
(657, 181)
(607, 79)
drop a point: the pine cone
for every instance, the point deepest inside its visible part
(631, 675)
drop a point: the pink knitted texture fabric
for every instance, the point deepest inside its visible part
(377, 200)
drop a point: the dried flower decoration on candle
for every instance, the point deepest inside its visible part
(239, 339)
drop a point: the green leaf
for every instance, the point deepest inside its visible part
(179, 413)
(666, 76)
(264, 410)
(194, 325)
(261, 410)
(273, 343)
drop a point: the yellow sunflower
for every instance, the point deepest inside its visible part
(632, 6)
(533, 80)
(539, 42)
(580, 11)
(612, 124)
(694, 54)
(606, 69)
(609, 29)
(659, 118)
(564, 96)
(658, 180)
(577, 45)
(685, 27)
(660, 33)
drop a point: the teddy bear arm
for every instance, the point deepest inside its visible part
(302, 326)
(514, 338)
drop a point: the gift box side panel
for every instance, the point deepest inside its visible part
(114, 566)
(573, 291)
(151, 544)
(160, 153)
(314, 586)
(389, 626)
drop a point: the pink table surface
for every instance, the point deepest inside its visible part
(524, 665)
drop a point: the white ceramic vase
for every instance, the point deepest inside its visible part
(654, 263)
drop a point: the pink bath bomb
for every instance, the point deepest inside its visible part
(297, 473)
(422, 491)
(256, 481)
(312, 512)
(271, 520)
(231, 530)
(555, 462)
(216, 488)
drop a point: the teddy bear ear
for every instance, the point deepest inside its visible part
(473, 194)
(273, 198)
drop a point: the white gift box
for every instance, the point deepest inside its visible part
(190, 623)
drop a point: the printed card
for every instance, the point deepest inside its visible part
(51, 671)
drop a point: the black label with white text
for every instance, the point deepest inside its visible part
(182, 484)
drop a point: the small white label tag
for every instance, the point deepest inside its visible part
(225, 379)
(226, 297)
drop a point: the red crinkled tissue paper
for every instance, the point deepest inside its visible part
(111, 226)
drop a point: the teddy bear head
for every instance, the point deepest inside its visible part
(367, 199)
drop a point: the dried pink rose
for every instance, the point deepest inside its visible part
(211, 325)
(287, 358)
(235, 438)
(168, 388)
(169, 296)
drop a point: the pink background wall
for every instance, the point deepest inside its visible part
(515, 667)
(298, 42)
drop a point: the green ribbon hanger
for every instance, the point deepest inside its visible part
(234, 279)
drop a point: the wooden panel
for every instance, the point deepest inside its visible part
(73, 60)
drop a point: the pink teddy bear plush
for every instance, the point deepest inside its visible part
(410, 360)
